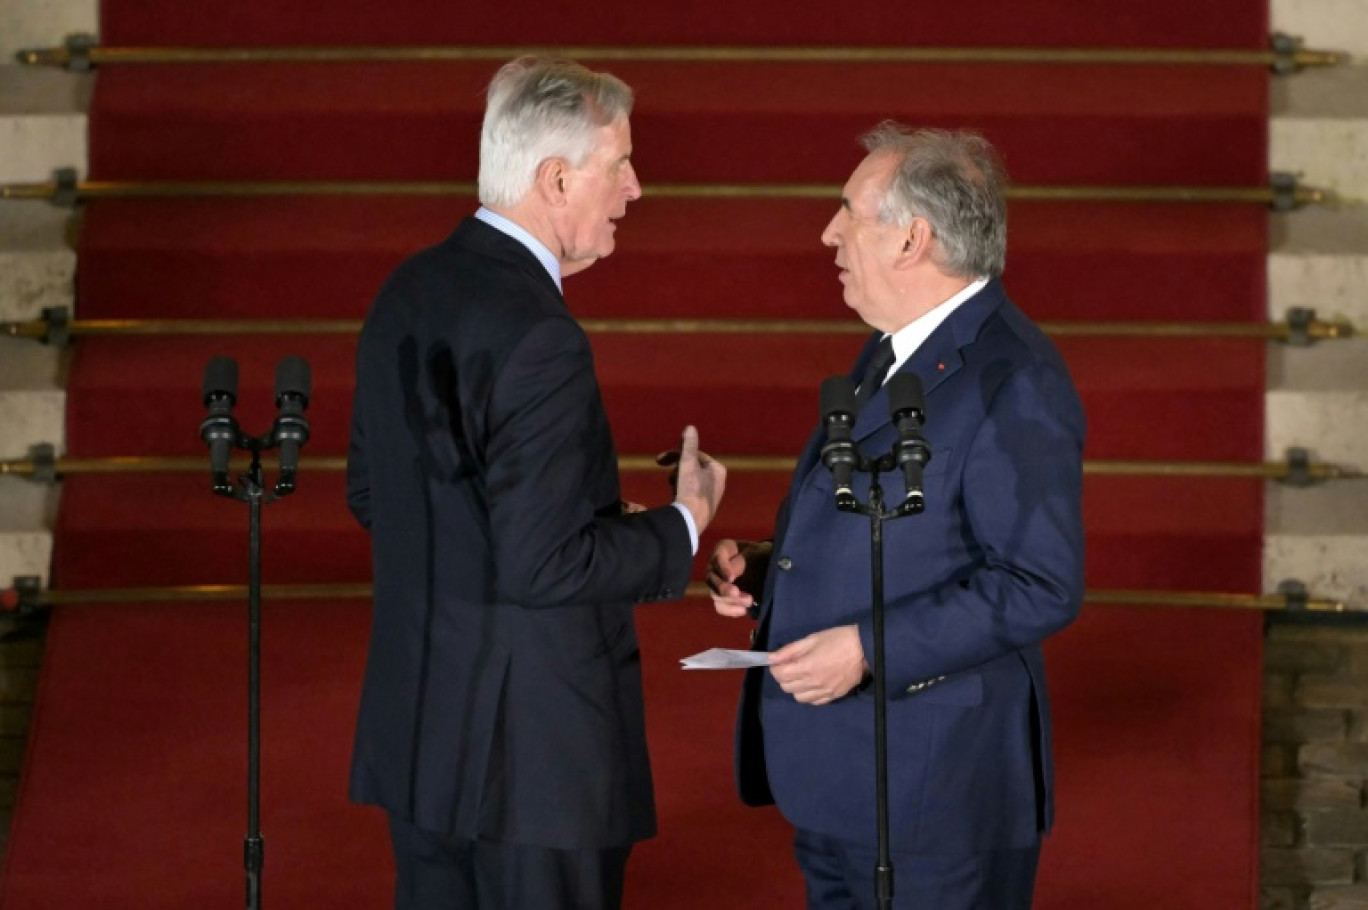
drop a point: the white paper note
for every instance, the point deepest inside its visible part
(725, 659)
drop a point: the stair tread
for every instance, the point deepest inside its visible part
(186, 535)
(319, 257)
(727, 121)
(1198, 384)
(1216, 23)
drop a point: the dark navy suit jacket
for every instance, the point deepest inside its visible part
(973, 585)
(502, 695)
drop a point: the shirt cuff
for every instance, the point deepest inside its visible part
(689, 522)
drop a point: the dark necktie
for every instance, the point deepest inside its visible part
(875, 372)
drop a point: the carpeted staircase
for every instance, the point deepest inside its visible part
(134, 792)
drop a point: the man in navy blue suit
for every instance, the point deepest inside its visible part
(973, 585)
(501, 724)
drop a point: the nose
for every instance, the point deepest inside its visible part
(632, 188)
(829, 233)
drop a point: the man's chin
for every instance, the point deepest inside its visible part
(575, 266)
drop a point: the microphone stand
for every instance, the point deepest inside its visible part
(910, 447)
(251, 488)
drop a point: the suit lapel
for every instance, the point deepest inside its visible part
(939, 357)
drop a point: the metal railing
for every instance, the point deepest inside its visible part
(1296, 469)
(1284, 54)
(1283, 193)
(1301, 326)
(26, 595)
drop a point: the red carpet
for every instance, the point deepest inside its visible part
(134, 792)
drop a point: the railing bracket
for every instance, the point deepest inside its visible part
(44, 457)
(58, 322)
(24, 597)
(1285, 48)
(1299, 321)
(1295, 593)
(1284, 187)
(78, 52)
(1298, 468)
(66, 188)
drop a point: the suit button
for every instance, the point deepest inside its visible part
(755, 633)
(785, 563)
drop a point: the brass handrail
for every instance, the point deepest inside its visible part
(29, 597)
(1300, 326)
(1284, 55)
(1296, 467)
(1281, 197)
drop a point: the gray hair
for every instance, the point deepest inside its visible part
(539, 109)
(955, 181)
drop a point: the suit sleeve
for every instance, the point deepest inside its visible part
(358, 471)
(548, 449)
(1022, 491)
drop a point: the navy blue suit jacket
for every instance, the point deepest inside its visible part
(972, 586)
(502, 695)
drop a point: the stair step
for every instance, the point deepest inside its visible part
(42, 121)
(1182, 533)
(1330, 565)
(28, 511)
(755, 395)
(1216, 23)
(677, 258)
(727, 122)
(1329, 423)
(37, 258)
(1319, 259)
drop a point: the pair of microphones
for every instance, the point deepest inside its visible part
(907, 407)
(289, 431)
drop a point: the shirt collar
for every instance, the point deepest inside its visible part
(911, 336)
(521, 234)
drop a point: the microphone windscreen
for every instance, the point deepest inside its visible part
(905, 393)
(220, 379)
(292, 378)
(837, 396)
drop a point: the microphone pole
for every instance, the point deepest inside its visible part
(222, 433)
(842, 456)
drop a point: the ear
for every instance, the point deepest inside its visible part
(550, 180)
(917, 240)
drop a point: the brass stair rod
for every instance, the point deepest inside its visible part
(361, 590)
(203, 593)
(108, 189)
(1312, 329)
(149, 464)
(88, 55)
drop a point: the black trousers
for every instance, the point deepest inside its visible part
(438, 872)
(840, 876)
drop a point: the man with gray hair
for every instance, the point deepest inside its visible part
(973, 584)
(501, 723)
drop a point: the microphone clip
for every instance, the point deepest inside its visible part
(843, 458)
(222, 433)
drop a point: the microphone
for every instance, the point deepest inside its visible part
(837, 401)
(910, 452)
(220, 429)
(291, 429)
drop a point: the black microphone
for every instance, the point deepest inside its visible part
(290, 430)
(839, 454)
(220, 429)
(908, 407)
